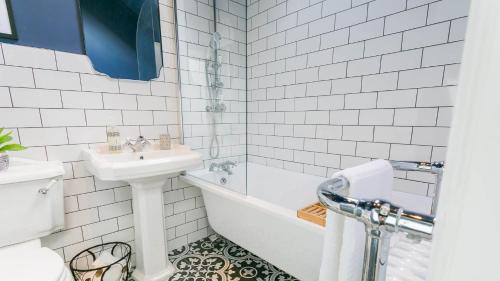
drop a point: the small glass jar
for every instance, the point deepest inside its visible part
(114, 140)
(165, 141)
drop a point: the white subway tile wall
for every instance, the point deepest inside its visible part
(340, 82)
(57, 104)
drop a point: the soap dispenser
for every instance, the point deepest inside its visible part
(114, 140)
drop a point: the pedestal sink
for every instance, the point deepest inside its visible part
(147, 173)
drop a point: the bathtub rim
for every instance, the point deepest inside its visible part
(252, 202)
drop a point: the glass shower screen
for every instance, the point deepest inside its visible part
(212, 56)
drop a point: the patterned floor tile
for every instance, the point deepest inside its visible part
(218, 259)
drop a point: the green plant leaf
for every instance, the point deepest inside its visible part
(12, 147)
(1, 130)
(5, 138)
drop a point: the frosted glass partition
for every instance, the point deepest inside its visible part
(213, 85)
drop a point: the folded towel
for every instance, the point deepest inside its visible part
(114, 273)
(344, 243)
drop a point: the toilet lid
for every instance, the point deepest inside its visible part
(35, 264)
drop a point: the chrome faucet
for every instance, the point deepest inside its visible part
(225, 166)
(138, 144)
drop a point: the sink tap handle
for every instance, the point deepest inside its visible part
(143, 140)
(137, 144)
(213, 166)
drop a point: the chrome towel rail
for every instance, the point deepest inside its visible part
(381, 218)
(429, 167)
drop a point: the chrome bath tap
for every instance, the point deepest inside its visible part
(138, 144)
(225, 166)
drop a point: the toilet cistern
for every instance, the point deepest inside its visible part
(33, 191)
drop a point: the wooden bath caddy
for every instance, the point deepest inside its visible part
(315, 213)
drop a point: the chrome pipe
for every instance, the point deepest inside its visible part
(179, 78)
(437, 193)
(430, 167)
(376, 252)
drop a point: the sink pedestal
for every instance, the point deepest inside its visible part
(151, 245)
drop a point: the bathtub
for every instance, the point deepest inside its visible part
(262, 217)
(264, 221)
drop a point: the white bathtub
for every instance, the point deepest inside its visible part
(264, 219)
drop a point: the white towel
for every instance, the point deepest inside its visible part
(113, 274)
(344, 243)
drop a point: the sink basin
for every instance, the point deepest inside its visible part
(147, 173)
(128, 166)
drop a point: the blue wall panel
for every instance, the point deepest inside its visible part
(50, 24)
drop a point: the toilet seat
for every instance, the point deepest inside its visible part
(32, 264)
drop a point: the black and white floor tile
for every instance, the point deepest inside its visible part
(218, 259)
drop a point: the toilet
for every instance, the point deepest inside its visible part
(31, 207)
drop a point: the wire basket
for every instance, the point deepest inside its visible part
(105, 262)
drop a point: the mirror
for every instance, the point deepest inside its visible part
(122, 37)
